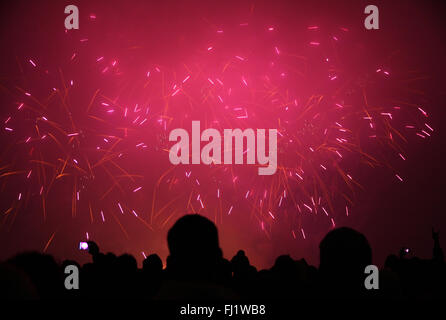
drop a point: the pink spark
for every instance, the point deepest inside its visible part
(387, 114)
(325, 211)
(32, 62)
(420, 135)
(429, 127)
(423, 112)
(137, 189)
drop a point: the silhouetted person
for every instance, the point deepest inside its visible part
(95, 279)
(194, 250)
(344, 254)
(125, 276)
(438, 255)
(43, 271)
(195, 257)
(151, 275)
(15, 284)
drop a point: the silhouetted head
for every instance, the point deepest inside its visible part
(126, 263)
(193, 246)
(152, 264)
(344, 254)
(284, 264)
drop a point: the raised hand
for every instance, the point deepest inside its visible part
(435, 234)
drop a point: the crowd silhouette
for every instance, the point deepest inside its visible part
(196, 270)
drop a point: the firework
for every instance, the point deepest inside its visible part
(99, 146)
